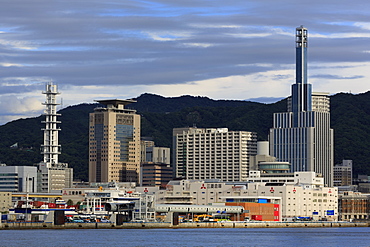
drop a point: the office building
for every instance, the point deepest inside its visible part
(155, 174)
(156, 170)
(343, 173)
(53, 176)
(145, 142)
(18, 178)
(158, 155)
(114, 143)
(207, 153)
(302, 136)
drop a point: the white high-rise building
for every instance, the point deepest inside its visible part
(207, 153)
(302, 136)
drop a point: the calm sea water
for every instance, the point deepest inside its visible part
(189, 237)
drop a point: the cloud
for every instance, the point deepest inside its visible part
(15, 108)
(266, 100)
(336, 77)
(232, 50)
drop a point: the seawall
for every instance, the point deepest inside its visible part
(148, 225)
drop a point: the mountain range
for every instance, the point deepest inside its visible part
(350, 119)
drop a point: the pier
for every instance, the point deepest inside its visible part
(147, 225)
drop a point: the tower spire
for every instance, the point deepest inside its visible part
(301, 90)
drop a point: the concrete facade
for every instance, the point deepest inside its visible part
(54, 177)
(303, 195)
(158, 155)
(5, 201)
(207, 153)
(343, 173)
(18, 178)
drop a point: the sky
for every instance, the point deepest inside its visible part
(237, 49)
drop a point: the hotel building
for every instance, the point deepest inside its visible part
(114, 143)
(207, 153)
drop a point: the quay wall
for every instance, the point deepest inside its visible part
(147, 225)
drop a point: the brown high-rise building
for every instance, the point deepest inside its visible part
(114, 143)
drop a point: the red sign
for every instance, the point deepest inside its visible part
(203, 187)
(146, 190)
(272, 189)
(329, 191)
(294, 190)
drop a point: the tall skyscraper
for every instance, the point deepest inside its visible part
(206, 153)
(114, 143)
(52, 175)
(302, 136)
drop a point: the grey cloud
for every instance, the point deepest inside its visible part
(84, 43)
(266, 100)
(336, 77)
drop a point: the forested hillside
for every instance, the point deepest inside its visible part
(350, 121)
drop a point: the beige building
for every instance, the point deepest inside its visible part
(300, 195)
(208, 153)
(114, 143)
(5, 201)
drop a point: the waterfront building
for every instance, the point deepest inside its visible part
(354, 206)
(18, 178)
(302, 136)
(208, 153)
(5, 201)
(343, 173)
(258, 208)
(301, 194)
(114, 143)
(52, 175)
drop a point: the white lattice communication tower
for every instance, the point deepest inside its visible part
(51, 147)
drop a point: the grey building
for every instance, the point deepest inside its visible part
(208, 153)
(302, 136)
(343, 173)
(18, 179)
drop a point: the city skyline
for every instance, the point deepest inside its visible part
(240, 50)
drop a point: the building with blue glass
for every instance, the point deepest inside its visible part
(302, 136)
(114, 142)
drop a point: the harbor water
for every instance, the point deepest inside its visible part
(342, 236)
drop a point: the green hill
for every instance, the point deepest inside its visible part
(350, 116)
